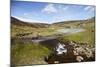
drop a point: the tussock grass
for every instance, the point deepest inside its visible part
(28, 53)
(87, 36)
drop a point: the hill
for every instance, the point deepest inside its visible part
(25, 51)
(75, 23)
(15, 21)
(20, 28)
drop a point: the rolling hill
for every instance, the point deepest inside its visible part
(32, 29)
(17, 22)
(75, 23)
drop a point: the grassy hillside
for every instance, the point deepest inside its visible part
(20, 29)
(17, 22)
(75, 23)
(24, 53)
(24, 29)
(87, 36)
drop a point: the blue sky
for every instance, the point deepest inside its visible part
(30, 11)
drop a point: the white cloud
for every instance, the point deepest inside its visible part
(89, 8)
(63, 7)
(49, 9)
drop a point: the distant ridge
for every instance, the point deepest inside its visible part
(15, 21)
(67, 22)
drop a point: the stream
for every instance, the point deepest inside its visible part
(61, 52)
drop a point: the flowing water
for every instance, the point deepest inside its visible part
(61, 52)
(60, 49)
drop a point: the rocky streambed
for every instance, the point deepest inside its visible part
(71, 51)
(65, 52)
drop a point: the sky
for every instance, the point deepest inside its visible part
(43, 12)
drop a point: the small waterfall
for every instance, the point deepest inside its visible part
(60, 48)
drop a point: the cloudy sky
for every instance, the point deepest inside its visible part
(30, 11)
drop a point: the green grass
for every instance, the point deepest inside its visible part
(87, 36)
(83, 37)
(15, 30)
(25, 53)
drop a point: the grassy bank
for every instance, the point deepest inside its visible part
(87, 36)
(84, 37)
(28, 53)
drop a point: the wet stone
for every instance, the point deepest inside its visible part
(71, 52)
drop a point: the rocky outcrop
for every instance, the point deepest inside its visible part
(76, 52)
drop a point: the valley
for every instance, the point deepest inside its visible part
(25, 51)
